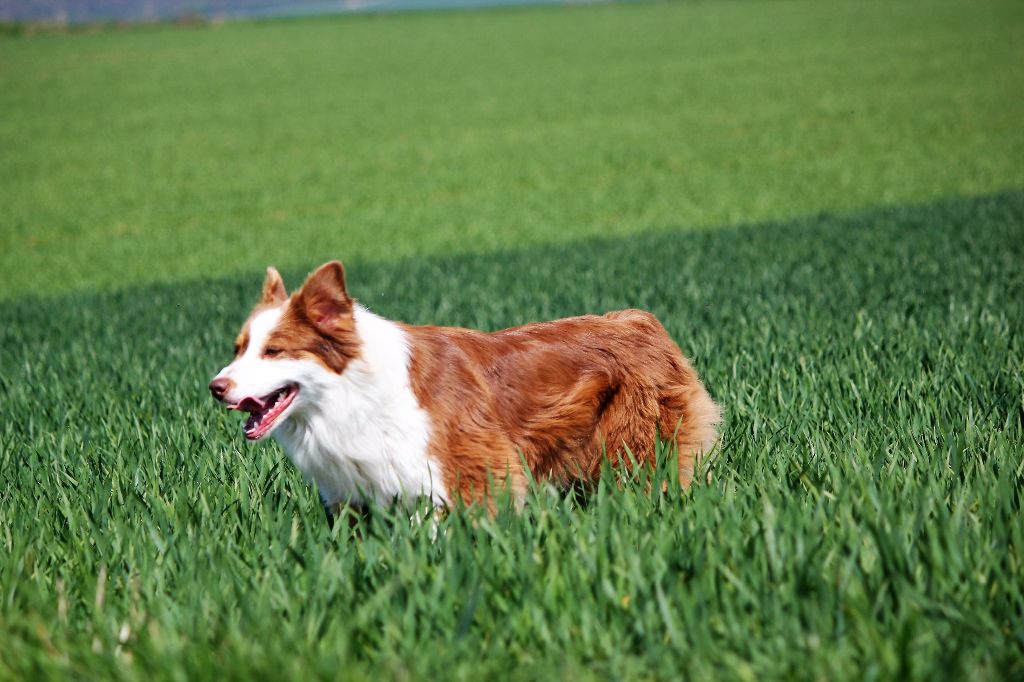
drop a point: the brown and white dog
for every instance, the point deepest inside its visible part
(370, 409)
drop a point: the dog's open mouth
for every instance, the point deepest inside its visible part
(265, 411)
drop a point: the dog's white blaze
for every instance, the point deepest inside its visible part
(362, 435)
(253, 375)
(260, 328)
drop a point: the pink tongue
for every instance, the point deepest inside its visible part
(250, 405)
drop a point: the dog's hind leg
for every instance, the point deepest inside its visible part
(691, 417)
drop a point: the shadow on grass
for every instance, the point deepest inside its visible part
(749, 281)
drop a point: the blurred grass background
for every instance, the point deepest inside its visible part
(164, 153)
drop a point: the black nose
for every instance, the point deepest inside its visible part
(219, 387)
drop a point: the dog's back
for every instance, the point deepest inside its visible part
(561, 395)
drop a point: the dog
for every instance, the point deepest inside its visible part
(374, 410)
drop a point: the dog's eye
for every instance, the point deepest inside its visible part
(271, 351)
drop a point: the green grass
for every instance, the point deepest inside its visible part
(824, 203)
(167, 153)
(864, 520)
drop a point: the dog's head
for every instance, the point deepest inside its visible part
(289, 350)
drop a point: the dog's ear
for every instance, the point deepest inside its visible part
(324, 299)
(273, 288)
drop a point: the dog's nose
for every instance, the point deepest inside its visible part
(219, 387)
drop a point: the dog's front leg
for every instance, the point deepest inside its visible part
(355, 514)
(330, 511)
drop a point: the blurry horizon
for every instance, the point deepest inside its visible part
(88, 11)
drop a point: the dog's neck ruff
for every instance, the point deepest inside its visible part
(362, 436)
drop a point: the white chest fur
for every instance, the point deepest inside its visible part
(362, 435)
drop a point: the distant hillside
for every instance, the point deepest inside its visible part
(83, 11)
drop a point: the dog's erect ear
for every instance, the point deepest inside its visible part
(324, 298)
(273, 288)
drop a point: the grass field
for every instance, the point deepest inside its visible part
(824, 204)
